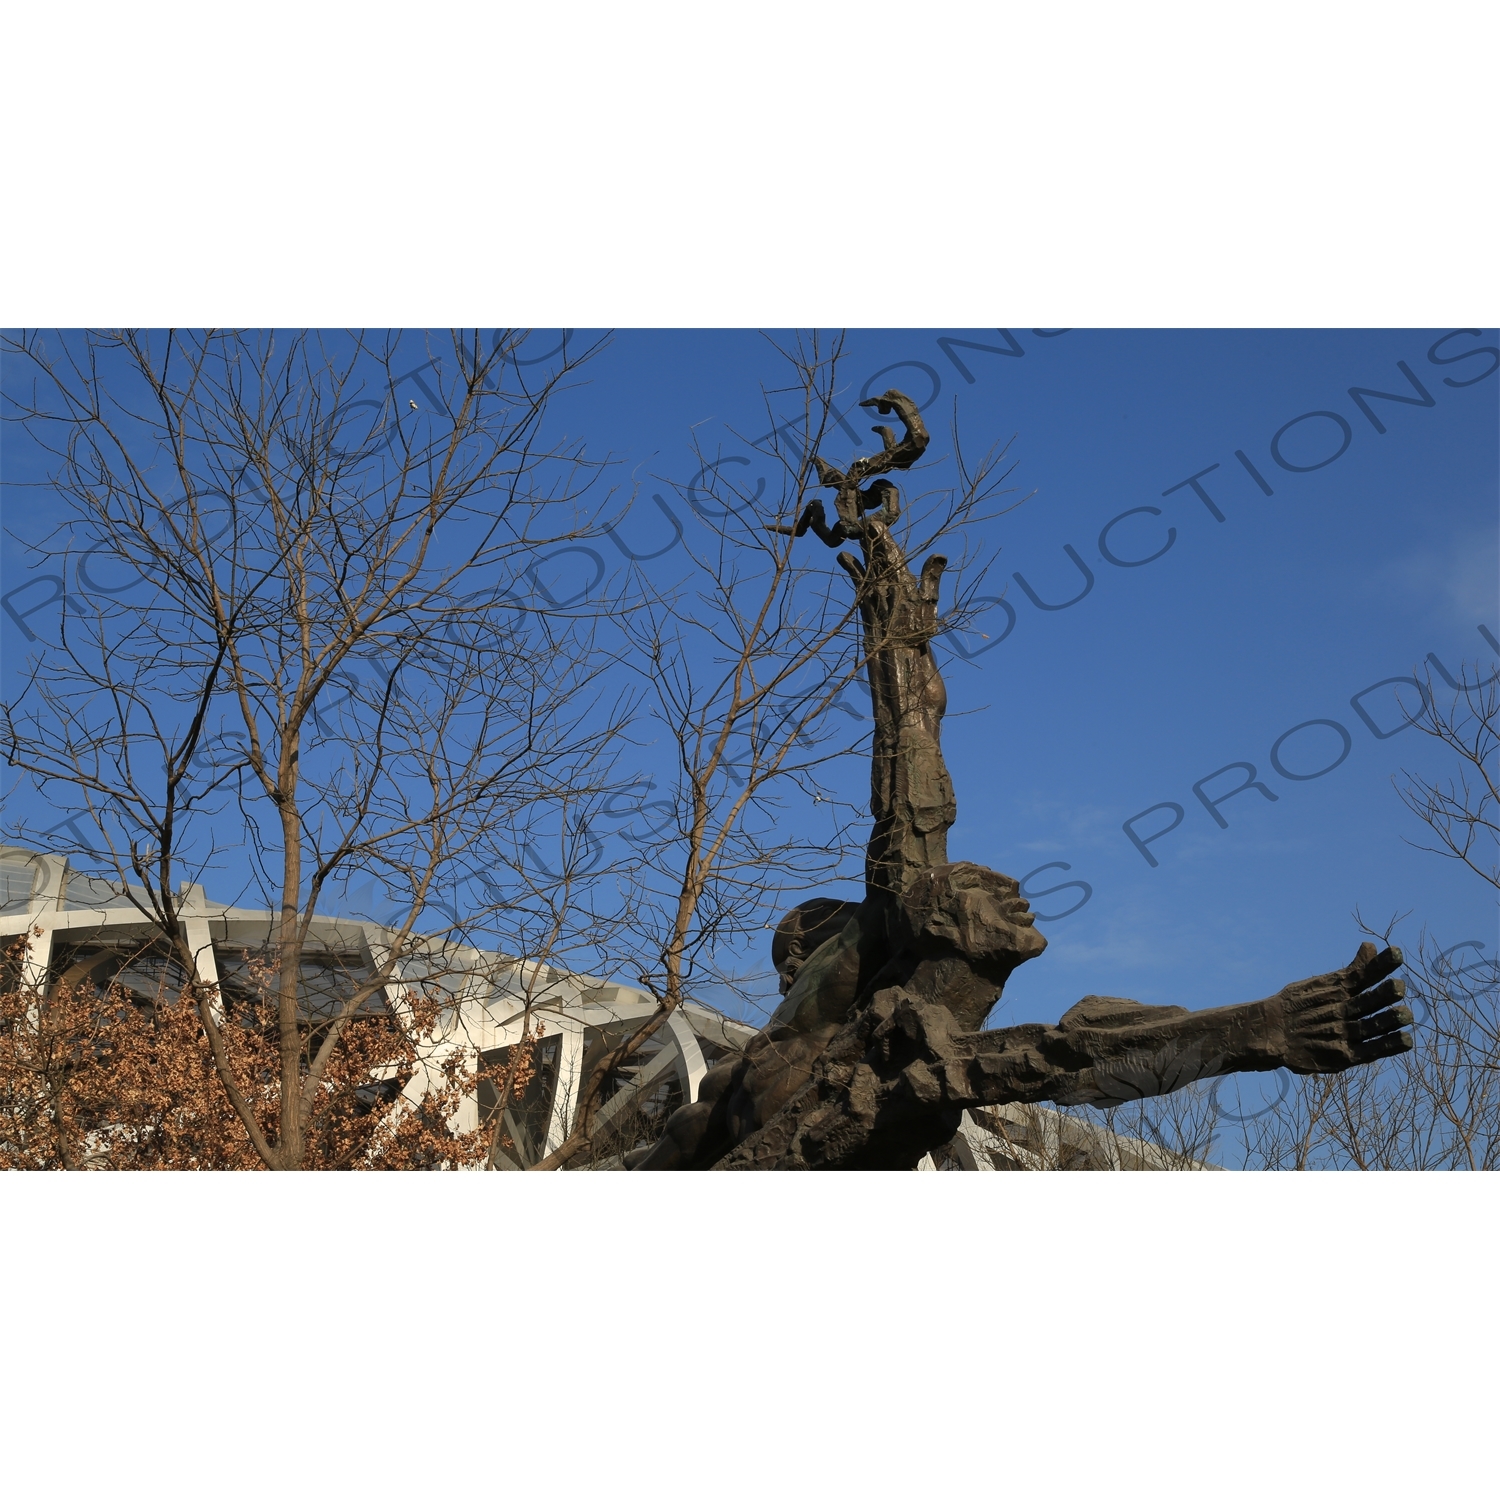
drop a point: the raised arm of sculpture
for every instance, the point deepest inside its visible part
(877, 1048)
(911, 796)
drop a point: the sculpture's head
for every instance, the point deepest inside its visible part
(803, 930)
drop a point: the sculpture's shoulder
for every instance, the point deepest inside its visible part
(1109, 1012)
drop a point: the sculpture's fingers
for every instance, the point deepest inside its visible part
(1328, 1030)
(932, 573)
(1369, 967)
(1383, 1046)
(1378, 998)
(1387, 1021)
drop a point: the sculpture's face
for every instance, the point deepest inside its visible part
(978, 912)
(1010, 914)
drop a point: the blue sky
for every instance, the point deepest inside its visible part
(1162, 674)
(1264, 613)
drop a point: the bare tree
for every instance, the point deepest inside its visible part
(1438, 1106)
(332, 640)
(741, 659)
(1463, 808)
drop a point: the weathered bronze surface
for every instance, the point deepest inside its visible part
(877, 1048)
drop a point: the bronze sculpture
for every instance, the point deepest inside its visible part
(876, 1048)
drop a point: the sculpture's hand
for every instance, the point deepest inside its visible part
(1334, 1021)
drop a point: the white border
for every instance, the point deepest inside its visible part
(1299, 162)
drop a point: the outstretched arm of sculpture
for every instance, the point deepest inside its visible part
(895, 1081)
(1104, 1050)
